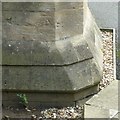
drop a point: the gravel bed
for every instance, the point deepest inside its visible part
(63, 113)
(108, 68)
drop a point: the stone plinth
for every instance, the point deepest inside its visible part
(50, 48)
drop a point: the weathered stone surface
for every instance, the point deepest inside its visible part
(29, 52)
(93, 37)
(28, 6)
(64, 28)
(14, 32)
(68, 5)
(66, 78)
(41, 6)
(30, 38)
(45, 49)
(25, 25)
(26, 19)
(15, 52)
(50, 98)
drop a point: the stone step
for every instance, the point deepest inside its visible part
(104, 104)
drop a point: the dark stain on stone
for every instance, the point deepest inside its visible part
(9, 19)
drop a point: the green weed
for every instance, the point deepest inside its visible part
(23, 99)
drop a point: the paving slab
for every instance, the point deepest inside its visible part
(117, 115)
(104, 104)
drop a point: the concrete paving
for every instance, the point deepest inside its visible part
(104, 104)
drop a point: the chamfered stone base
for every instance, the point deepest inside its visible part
(49, 99)
(49, 48)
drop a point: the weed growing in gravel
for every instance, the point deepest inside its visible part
(23, 99)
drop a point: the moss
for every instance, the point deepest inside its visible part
(118, 54)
